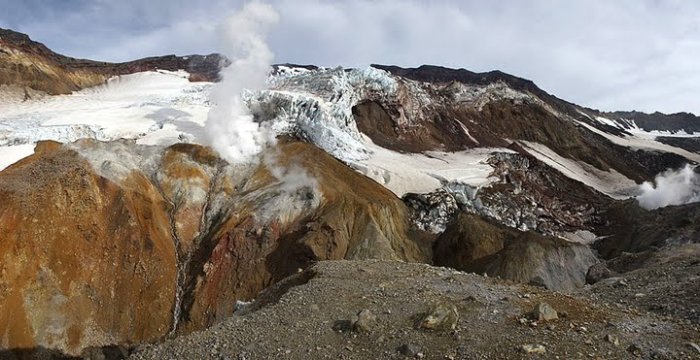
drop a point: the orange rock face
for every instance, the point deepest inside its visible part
(83, 261)
(112, 243)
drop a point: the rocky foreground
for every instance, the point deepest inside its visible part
(395, 310)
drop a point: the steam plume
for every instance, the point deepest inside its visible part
(230, 125)
(672, 187)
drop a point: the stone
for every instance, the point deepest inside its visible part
(410, 350)
(634, 348)
(544, 312)
(533, 349)
(597, 273)
(441, 316)
(612, 339)
(364, 321)
(342, 325)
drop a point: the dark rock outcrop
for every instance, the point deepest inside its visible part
(473, 244)
(687, 143)
(678, 122)
(598, 272)
(432, 211)
(630, 228)
(530, 196)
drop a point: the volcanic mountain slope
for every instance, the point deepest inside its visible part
(29, 64)
(490, 141)
(112, 243)
(491, 109)
(134, 235)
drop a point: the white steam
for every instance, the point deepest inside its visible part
(292, 178)
(230, 125)
(297, 191)
(672, 187)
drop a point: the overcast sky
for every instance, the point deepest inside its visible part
(623, 54)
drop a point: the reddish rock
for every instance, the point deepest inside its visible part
(346, 216)
(98, 249)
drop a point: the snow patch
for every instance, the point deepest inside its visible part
(611, 183)
(638, 142)
(466, 132)
(11, 154)
(159, 107)
(422, 173)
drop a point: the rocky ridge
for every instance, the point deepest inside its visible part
(29, 64)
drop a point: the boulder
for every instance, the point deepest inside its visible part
(543, 312)
(440, 316)
(364, 321)
(533, 349)
(598, 272)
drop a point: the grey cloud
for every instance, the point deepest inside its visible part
(626, 54)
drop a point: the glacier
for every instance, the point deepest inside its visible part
(314, 104)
